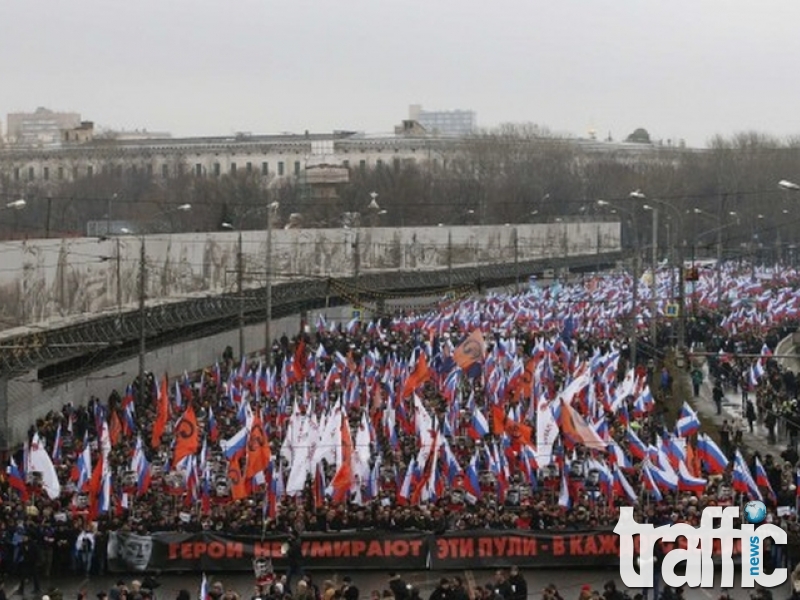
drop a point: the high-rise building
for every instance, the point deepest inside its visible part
(41, 128)
(444, 122)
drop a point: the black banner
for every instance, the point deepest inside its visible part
(476, 549)
(362, 550)
(209, 551)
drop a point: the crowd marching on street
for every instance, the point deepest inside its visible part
(506, 411)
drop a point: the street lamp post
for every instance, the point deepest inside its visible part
(681, 292)
(268, 327)
(239, 286)
(632, 333)
(654, 279)
(718, 267)
(143, 301)
(790, 187)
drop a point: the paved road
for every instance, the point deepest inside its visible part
(732, 408)
(569, 582)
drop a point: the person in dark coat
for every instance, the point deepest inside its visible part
(501, 586)
(519, 587)
(29, 565)
(442, 591)
(349, 591)
(294, 556)
(398, 587)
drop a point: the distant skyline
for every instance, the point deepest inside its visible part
(682, 69)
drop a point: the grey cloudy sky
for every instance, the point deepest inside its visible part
(680, 68)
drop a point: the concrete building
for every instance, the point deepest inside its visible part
(457, 123)
(288, 156)
(41, 128)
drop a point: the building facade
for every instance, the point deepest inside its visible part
(267, 155)
(40, 129)
(457, 123)
(285, 156)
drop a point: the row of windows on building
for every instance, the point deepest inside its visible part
(198, 170)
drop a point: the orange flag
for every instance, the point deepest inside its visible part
(575, 430)
(238, 485)
(498, 419)
(162, 413)
(519, 433)
(525, 389)
(343, 480)
(187, 436)
(418, 376)
(258, 451)
(470, 351)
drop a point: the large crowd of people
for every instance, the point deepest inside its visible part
(427, 433)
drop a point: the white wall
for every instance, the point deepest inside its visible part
(52, 282)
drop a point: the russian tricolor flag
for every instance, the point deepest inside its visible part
(57, 445)
(650, 484)
(141, 466)
(763, 481)
(621, 486)
(235, 445)
(688, 424)
(635, 445)
(204, 588)
(617, 456)
(84, 466)
(16, 479)
(665, 478)
(712, 457)
(564, 499)
(742, 479)
(688, 483)
(471, 481)
(479, 427)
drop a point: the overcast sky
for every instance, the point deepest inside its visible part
(680, 68)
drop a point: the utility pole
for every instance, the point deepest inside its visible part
(119, 278)
(681, 299)
(357, 269)
(450, 257)
(635, 306)
(654, 283)
(142, 319)
(719, 251)
(268, 327)
(108, 215)
(516, 257)
(240, 290)
(670, 259)
(47, 218)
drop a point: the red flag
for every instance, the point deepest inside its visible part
(162, 414)
(95, 483)
(299, 363)
(187, 436)
(114, 428)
